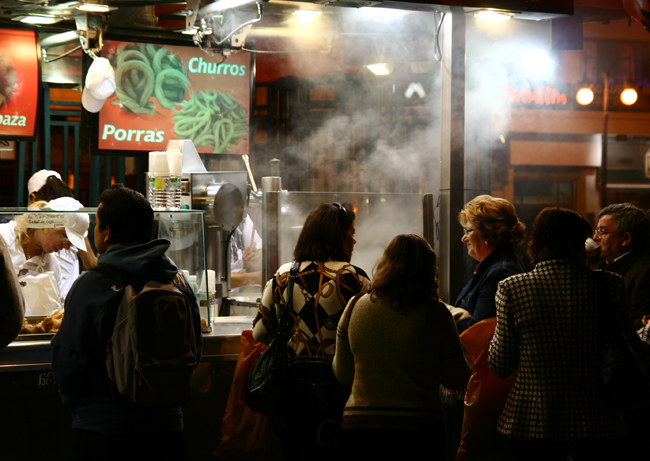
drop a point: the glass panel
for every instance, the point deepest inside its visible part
(379, 218)
(185, 230)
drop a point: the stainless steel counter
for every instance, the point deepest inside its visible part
(222, 344)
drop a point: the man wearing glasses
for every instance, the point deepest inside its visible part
(623, 233)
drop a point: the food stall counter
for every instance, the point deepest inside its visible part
(34, 352)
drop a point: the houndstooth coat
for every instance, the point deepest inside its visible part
(549, 331)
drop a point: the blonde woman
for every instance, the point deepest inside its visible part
(32, 237)
(491, 232)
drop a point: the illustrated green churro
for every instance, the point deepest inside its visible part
(146, 70)
(213, 120)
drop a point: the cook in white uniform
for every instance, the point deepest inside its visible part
(47, 185)
(32, 237)
(245, 255)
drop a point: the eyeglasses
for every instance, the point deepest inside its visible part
(343, 212)
(467, 231)
(600, 233)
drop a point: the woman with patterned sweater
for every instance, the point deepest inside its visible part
(395, 346)
(325, 283)
(549, 329)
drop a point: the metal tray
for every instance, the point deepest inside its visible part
(35, 337)
(33, 320)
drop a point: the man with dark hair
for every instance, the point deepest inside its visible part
(107, 425)
(623, 233)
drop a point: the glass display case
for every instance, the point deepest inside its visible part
(185, 229)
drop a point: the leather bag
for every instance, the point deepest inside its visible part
(265, 385)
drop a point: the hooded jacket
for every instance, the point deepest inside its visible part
(79, 348)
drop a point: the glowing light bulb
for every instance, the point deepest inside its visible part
(307, 13)
(492, 16)
(629, 96)
(94, 8)
(585, 96)
(380, 69)
(38, 20)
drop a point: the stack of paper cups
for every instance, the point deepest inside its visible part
(160, 194)
(175, 161)
(158, 164)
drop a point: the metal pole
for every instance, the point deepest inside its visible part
(271, 189)
(21, 185)
(428, 219)
(603, 151)
(47, 130)
(452, 156)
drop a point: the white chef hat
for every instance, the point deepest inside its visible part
(76, 224)
(100, 85)
(39, 178)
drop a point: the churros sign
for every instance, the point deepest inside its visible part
(166, 92)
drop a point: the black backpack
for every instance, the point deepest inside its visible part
(152, 352)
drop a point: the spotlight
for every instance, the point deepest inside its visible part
(307, 13)
(380, 68)
(94, 6)
(629, 96)
(489, 15)
(38, 20)
(585, 96)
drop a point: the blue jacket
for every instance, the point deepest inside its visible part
(79, 348)
(478, 295)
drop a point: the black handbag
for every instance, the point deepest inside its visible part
(265, 384)
(625, 382)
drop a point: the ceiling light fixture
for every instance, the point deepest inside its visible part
(221, 5)
(489, 15)
(39, 20)
(307, 13)
(95, 6)
(380, 68)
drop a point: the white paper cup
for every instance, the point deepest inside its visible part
(158, 164)
(590, 245)
(175, 160)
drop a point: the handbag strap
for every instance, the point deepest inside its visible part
(283, 320)
(353, 303)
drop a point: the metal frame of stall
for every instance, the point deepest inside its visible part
(101, 171)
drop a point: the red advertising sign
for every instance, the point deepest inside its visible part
(166, 92)
(19, 84)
